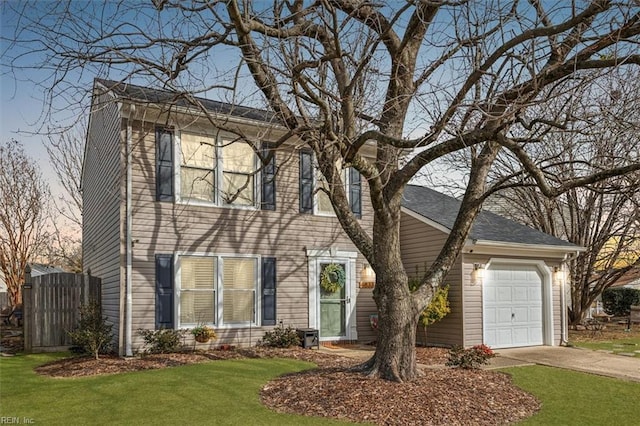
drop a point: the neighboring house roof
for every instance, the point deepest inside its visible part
(36, 270)
(443, 209)
(42, 269)
(165, 97)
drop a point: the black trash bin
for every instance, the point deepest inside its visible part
(308, 337)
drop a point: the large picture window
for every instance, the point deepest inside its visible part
(218, 290)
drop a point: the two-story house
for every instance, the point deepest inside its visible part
(186, 226)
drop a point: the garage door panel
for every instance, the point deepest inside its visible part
(521, 295)
(512, 306)
(490, 316)
(535, 314)
(503, 315)
(521, 314)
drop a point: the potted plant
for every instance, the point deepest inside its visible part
(203, 333)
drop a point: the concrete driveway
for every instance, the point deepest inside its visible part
(584, 360)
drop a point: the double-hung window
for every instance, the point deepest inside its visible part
(218, 290)
(314, 198)
(215, 170)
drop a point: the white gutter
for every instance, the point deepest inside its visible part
(529, 247)
(128, 243)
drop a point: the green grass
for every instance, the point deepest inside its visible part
(573, 398)
(220, 392)
(615, 346)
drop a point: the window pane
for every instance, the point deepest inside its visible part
(322, 199)
(238, 306)
(239, 282)
(197, 150)
(231, 188)
(238, 157)
(239, 273)
(196, 307)
(197, 184)
(197, 273)
(197, 295)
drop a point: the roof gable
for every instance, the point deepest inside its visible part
(443, 209)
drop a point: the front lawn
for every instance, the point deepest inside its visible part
(220, 392)
(573, 398)
(227, 392)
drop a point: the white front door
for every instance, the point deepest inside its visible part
(332, 309)
(513, 306)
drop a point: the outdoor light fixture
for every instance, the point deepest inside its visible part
(558, 275)
(367, 277)
(477, 275)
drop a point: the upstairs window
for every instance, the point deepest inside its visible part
(216, 170)
(313, 199)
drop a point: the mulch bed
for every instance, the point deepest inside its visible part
(441, 396)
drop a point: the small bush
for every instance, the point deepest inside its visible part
(470, 358)
(618, 301)
(92, 335)
(163, 341)
(280, 337)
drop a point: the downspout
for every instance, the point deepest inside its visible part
(128, 243)
(563, 301)
(563, 304)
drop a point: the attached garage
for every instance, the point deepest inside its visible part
(502, 289)
(512, 297)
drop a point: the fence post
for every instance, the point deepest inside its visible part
(27, 310)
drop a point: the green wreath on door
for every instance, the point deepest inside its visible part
(332, 278)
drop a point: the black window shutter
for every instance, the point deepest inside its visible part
(164, 164)
(268, 291)
(164, 291)
(306, 181)
(269, 180)
(355, 192)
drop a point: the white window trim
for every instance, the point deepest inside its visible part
(219, 290)
(326, 255)
(218, 136)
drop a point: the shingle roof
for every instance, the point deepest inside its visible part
(443, 209)
(165, 97)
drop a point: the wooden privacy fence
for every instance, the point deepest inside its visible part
(50, 308)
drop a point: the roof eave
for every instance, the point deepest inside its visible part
(514, 249)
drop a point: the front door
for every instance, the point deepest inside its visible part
(333, 299)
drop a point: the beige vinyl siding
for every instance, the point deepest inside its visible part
(365, 306)
(167, 227)
(420, 245)
(473, 298)
(102, 195)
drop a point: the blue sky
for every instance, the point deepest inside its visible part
(22, 102)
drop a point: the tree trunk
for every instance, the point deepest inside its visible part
(395, 355)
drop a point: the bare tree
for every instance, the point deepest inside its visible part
(66, 154)
(603, 217)
(24, 197)
(432, 78)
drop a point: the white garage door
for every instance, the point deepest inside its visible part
(512, 301)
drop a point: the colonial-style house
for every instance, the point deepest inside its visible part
(185, 226)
